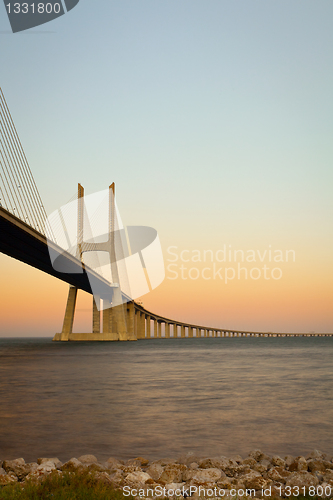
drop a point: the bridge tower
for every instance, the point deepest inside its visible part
(117, 315)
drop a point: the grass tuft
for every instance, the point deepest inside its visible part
(79, 485)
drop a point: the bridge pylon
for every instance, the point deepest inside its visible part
(118, 317)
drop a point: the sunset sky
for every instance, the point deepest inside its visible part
(214, 119)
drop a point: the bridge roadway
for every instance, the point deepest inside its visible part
(22, 242)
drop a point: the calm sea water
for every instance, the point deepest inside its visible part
(161, 398)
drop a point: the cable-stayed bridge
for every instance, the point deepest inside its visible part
(26, 234)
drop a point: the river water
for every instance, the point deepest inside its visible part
(161, 398)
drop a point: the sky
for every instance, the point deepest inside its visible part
(214, 119)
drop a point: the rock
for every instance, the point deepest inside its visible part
(133, 462)
(299, 464)
(188, 458)
(172, 487)
(238, 459)
(301, 479)
(155, 471)
(316, 464)
(113, 463)
(127, 469)
(254, 480)
(18, 467)
(188, 474)
(144, 462)
(72, 464)
(316, 454)
(258, 455)
(328, 477)
(88, 459)
(259, 467)
(116, 479)
(249, 461)
(229, 466)
(8, 479)
(2, 471)
(138, 477)
(96, 467)
(165, 461)
(225, 483)
(278, 474)
(289, 459)
(194, 465)
(328, 489)
(278, 461)
(40, 471)
(172, 474)
(104, 478)
(207, 476)
(56, 461)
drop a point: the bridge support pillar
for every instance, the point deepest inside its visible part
(96, 316)
(190, 331)
(175, 330)
(148, 326)
(182, 331)
(67, 327)
(166, 330)
(131, 322)
(159, 329)
(155, 329)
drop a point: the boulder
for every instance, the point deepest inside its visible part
(7, 479)
(188, 458)
(88, 459)
(155, 471)
(144, 462)
(225, 483)
(56, 461)
(316, 464)
(40, 471)
(2, 471)
(72, 464)
(113, 463)
(299, 464)
(258, 455)
(316, 454)
(116, 479)
(172, 474)
(229, 466)
(278, 461)
(254, 480)
(127, 469)
(289, 459)
(138, 477)
(249, 461)
(133, 462)
(172, 487)
(18, 467)
(207, 476)
(278, 474)
(301, 479)
(260, 467)
(328, 477)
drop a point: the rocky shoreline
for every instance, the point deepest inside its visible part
(256, 476)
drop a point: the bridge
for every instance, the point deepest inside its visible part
(25, 236)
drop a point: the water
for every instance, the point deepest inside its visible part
(161, 398)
